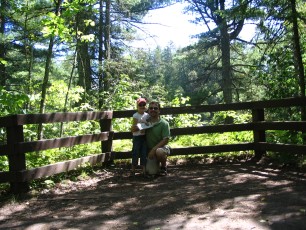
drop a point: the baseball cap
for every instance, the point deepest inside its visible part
(141, 100)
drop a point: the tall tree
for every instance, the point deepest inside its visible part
(100, 74)
(224, 21)
(298, 59)
(47, 71)
(116, 23)
(281, 32)
(3, 21)
(82, 29)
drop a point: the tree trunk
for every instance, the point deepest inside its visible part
(68, 90)
(107, 31)
(100, 56)
(298, 60)
(84, 68)
(29, 52)
(226, 63)
(46, 75)
(3, 77)
(45, 86)
(107, 44)
(226, 57)
(104, 49)
(83, 57)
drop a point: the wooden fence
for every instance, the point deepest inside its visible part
(16, 148)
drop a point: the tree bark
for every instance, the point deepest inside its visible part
(298, 60)
(83, 57)
(226, 62)
(297, 49)
(107, 30)
(107, 48)
(3, 77)
(84, 67)
(46, 75)
(29, 52)
(100, 55)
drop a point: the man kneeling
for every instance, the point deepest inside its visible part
(157, 139)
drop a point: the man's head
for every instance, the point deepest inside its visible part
(154, 109)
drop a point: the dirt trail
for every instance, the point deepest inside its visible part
(192, 196)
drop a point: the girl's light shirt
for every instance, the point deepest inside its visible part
(142, 123)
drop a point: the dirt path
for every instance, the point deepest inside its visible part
(200, 196)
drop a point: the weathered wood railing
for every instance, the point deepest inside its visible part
(16, 148)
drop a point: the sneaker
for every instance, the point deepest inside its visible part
(163, 170)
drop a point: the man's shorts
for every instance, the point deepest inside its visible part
(166, 149)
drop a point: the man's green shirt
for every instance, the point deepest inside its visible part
(158, 132)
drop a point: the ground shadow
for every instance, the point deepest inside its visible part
(192, 196)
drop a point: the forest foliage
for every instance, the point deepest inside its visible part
(58, 56)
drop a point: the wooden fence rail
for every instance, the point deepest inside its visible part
(16, 147)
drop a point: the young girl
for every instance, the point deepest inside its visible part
(139, 140)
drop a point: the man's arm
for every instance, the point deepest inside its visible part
(134, 128)
(161, 144)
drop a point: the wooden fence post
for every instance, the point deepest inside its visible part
(258, 135)
(16, 159)
(106, 146)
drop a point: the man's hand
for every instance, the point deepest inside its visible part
(151, 154)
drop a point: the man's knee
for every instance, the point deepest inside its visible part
(161, 154)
